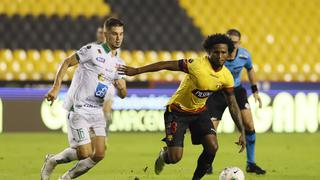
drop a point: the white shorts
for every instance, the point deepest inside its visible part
(110, 93)
(81, 127)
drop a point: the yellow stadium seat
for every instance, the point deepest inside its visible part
(14, 66)
(24, 9)
(138, 58)
(103, 10)
(27, 66)
(46, 55)
(90, 10)
(37, 9)
(313, 77)
(36, 76)
(126, 56)
(154, 76)
(142, 77)
(3, 69)
(164, 55)
(20, 55)
(49, 9)
(62, 9)
(9, 76)
(271, 43)
(49, 76)
(41, 66)
(33, 55)
(192, 54)
(6, 55)
(10, 8)
(22, 76)
(169, 76)
(75, 11)
(151, 56)
(59, 55)
(176, 55)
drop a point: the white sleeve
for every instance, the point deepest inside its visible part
(119, 63)
(84, 54)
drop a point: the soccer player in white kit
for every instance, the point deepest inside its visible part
(108, 100)
(97, 70)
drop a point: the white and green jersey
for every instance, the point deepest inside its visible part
(96, 72)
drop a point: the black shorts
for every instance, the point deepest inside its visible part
(177, 123)
(217, 103)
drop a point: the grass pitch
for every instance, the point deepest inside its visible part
(131, 156)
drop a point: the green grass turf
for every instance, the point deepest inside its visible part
(130, 155)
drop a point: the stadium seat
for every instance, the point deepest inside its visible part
(270, 44)
(151, 56)
(59, 7)
(176, 55)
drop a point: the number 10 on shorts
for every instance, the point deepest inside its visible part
(80, 134)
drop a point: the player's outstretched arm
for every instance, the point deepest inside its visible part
(121, 86)
(68, 62)
(158, 66)
(236, 117)
(254, 88)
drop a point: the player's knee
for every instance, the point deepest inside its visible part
(98, 157)
(249, 126)
(212, 148)
(84, 154)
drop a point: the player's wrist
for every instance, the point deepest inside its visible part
(254, 88)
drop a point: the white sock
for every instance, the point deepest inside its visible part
(66, 156)
(81, 167)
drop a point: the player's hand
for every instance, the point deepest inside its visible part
(257, 98)
(52, 95)
(241, 142)
(127, 70)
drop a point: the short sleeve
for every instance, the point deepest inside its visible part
(119, 63)
(84, 54)
(228, 85)
(187, 65)
(248, 64)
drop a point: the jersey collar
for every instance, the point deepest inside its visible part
(106, 48)
(234, 56)
(214, 69)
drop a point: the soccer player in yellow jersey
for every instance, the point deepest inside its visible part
(187, 109)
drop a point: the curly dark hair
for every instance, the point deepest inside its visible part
(218, 39)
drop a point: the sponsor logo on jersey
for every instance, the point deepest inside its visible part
(201, 93)
(100, 59)
(219, 85)
(243, 56)
(169, 137)
(90, 106)
(101, 77)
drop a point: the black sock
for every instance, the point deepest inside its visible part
(204, 162)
